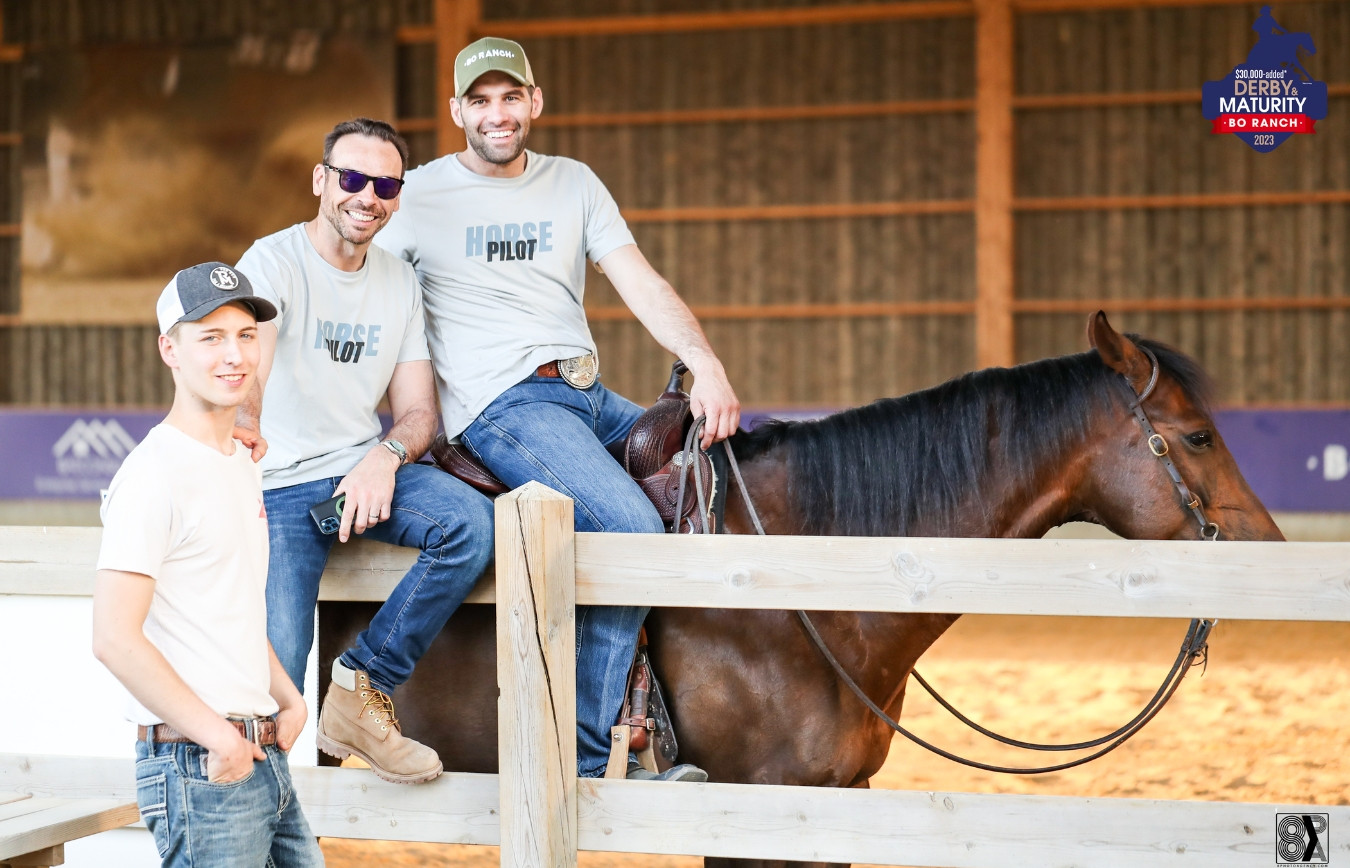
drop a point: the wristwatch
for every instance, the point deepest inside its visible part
(398, 449)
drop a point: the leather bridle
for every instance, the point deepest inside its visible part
(1158, 446)
(1194, 648)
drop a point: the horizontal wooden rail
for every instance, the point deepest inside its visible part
(763, 114)
(1035, 7)
(34, 831)
(885, 309)
(1181, 200)
(824, 210)
(749, 19)
(880, 827)
(759, 114)
(1177, 305)
(691, 22)
(914, 574)
(1038, 101)
(839, 310)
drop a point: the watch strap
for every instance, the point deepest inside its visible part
(399, 450)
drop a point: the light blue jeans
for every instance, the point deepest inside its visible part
(433, 511)
(544, 430)
(251, 823)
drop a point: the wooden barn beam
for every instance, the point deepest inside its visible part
(1182, 200)
(456, 24)
(803, 310)
(688, 22)
(1045, 6)
(994, 248)
(824, 210)
(1180, 305)
(742, 114)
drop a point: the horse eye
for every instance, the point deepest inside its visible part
(1200, 440)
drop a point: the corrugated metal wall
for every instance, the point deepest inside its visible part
(1070, 255)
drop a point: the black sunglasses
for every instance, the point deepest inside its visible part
(354, 182)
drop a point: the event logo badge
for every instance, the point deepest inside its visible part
(1302, 839)
(85, 457)
(1271, 96)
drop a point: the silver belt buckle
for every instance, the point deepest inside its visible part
(252, 731)
(580, 372)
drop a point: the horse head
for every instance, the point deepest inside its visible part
(1136, 494)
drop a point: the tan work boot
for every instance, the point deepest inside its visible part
(358, 719)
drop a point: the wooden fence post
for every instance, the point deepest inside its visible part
(536, 674)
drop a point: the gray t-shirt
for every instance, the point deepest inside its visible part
(502, 263)
(339, 336)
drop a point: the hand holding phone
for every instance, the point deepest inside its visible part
(328, 515)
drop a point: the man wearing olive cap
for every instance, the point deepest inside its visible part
(499, 237)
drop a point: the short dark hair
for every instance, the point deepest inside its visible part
(366, 127)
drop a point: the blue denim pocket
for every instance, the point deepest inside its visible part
(195, 772)
(153, 799)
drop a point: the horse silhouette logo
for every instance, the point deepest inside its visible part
(1271, 95)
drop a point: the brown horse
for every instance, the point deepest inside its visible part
(996, 453)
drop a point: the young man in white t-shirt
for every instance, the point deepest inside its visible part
(179, 606)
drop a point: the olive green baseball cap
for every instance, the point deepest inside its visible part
(491, 54)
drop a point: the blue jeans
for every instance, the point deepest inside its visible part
(544, 430)
(433, 511)
(250, 823)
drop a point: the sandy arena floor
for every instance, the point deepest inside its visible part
(1268, 721)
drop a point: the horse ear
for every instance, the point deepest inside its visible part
(1118, 352)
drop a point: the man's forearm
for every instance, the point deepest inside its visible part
(415, 430)
(249, 413)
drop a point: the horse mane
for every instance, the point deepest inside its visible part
(876, 470)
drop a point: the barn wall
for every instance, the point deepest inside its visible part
(879, 301)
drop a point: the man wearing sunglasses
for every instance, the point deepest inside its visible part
(348, 332)
(500, 237)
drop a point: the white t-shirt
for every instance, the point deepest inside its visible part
(192, 519)
(502, 263)
(339, 336)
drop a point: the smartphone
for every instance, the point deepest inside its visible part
(328, 515)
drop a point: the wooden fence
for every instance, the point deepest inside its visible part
(541, 814)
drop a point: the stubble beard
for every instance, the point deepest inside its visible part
(333, 214)
(489, 153)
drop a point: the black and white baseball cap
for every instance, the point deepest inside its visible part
(195, 292)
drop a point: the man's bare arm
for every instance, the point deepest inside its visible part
(248, 416)
(657, 306)
(121, 604)
(370, 485)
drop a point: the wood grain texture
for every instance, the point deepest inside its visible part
(1302, 581)
(536, 674)
(882, 827)
(37, 824)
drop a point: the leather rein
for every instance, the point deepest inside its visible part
(1194, 648)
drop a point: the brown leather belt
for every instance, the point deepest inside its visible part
(548, 369)
(259, 730)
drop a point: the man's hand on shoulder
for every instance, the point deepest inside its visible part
(370, 491)
(713, 397)
(251, 437)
